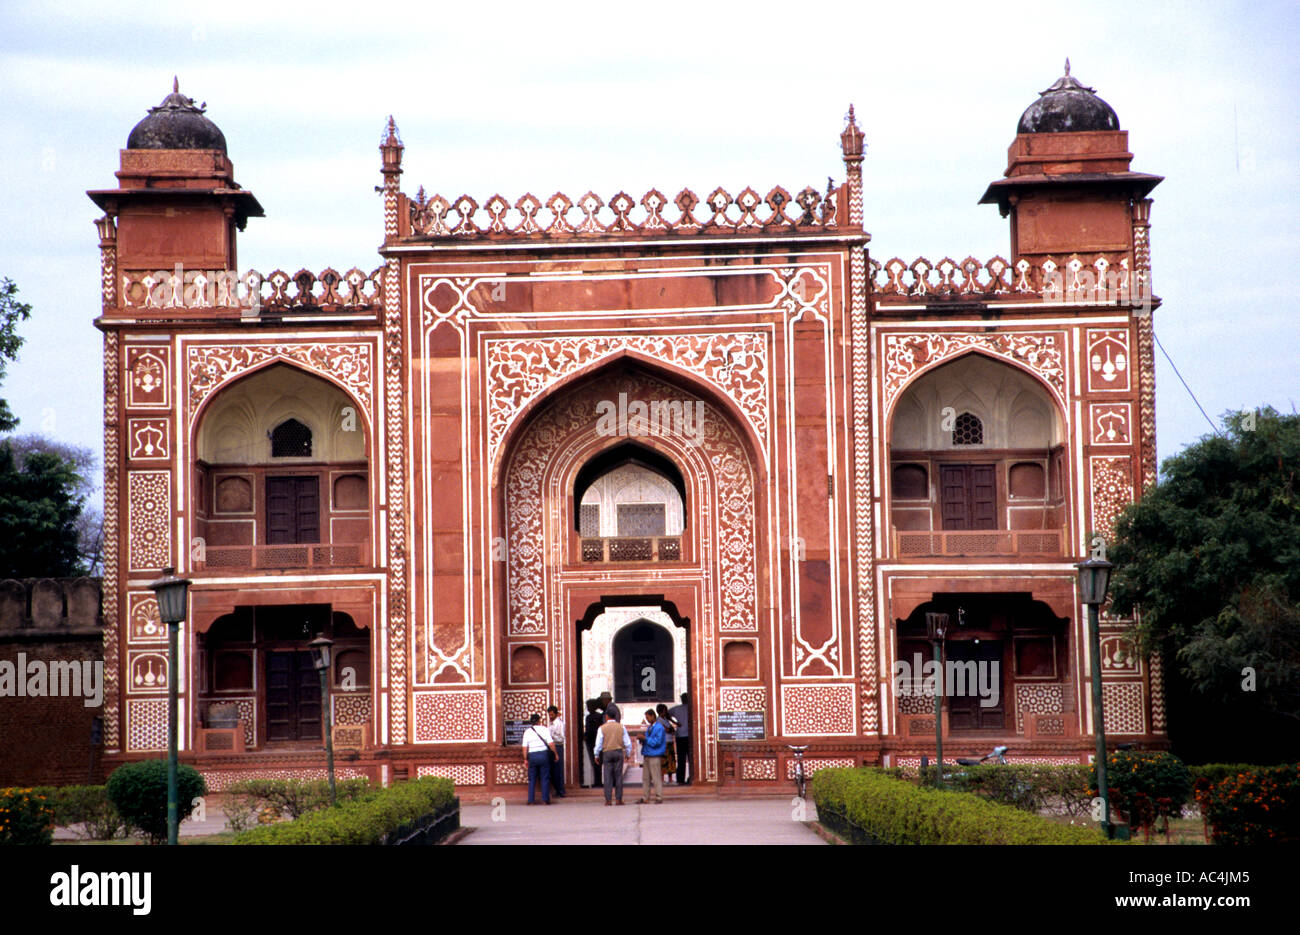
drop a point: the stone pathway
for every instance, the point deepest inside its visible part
(582, 818)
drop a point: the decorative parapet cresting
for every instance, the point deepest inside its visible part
(1105, 279)
(591, 216)
(251, 292)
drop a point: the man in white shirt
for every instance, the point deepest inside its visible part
(538, 748)
(556, 728)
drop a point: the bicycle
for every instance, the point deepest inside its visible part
(800, 776)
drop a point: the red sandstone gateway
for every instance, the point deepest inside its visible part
(419, 462)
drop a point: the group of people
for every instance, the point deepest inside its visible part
(665, 749)
(667, 736)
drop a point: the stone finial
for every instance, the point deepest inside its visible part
(851, 138)
(1067, 66)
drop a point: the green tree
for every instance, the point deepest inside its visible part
(1211, 558)
(11, 312)
(84, 465)
(38, 515)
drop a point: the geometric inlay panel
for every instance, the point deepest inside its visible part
(146, 724)
(510, 774)
(1112, 490)
(742, 699)
(817, 710)
(351, 708)
(445, 716)
(149, 540)
(518, 705)
(1042, 698)
(1123, 704)
(751, 768)
(462, 774)
(811, 766)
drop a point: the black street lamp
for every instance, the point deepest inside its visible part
(173, 594)
(320, 659)
(936, 627)
(1094, 581)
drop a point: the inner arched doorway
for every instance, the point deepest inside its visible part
(605, 514)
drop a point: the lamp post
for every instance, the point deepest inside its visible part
(320, 658)
(936, 626)
(1094, 580)
(172, 595)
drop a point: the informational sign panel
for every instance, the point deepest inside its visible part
(515, 732)
(742, 725)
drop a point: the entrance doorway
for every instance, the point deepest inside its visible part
(293, 709)
(969, 710)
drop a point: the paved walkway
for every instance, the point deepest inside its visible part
(695, 819)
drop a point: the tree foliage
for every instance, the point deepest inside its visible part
(39, 510)
(84, 467)
(12, 311)
(1211, 558)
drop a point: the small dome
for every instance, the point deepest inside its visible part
(1067, 107)
(176, 124)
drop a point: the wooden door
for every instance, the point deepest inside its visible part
(968, 710)
(293, 709)
(292, 510)
(968, 496)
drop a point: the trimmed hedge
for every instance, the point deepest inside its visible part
(868, 807)
(87, 806)
(374, 818)
(1258, 805)
(1030, 787)
(1215, 773)
(291, 797)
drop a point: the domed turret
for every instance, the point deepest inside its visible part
(176, 123)
(1067, 107)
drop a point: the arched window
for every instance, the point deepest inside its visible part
(968, 430)
(291, 439)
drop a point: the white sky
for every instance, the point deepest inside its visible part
(499, 97)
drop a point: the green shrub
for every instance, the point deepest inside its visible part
(1258, 805)
(1144, 784)
(139, 792)
(1033, 787)
(1214, 773)
(291, 797)
(25, 817)
(86, 810)
(867, 806)
(365, 820)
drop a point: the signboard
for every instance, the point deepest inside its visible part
(742, 725)
(515, 732)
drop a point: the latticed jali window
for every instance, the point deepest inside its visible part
(968, 430)
(291, 439)
(589, 520)
(641, 519)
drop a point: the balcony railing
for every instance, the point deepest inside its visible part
(633, 549)
(1036, 543)
(322, 555)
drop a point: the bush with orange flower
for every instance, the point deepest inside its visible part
(25, 817)
(1256, 806)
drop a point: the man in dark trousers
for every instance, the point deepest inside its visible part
(682, 715)
(557, 764)
(613, 748)
(595, 718)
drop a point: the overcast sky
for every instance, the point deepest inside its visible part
(495, 97)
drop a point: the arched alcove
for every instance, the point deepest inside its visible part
(282, 464)
(977, 463)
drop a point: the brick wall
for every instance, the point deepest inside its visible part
(46, 740)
